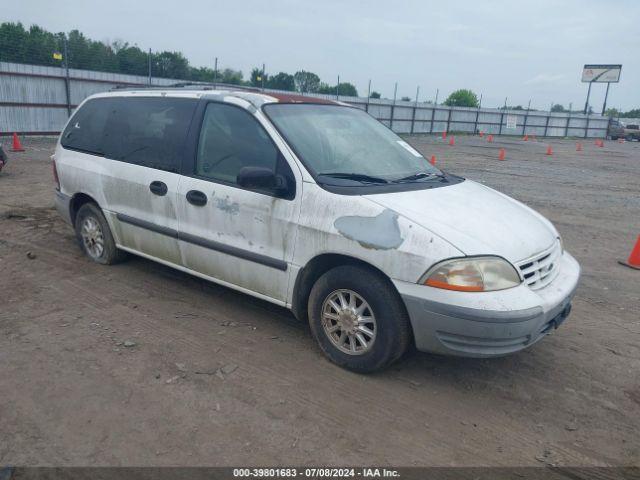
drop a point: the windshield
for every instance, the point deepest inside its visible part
(345, 143)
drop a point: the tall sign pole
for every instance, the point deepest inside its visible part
(604, 105)
(586, 103)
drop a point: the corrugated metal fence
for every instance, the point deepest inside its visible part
(37, 100)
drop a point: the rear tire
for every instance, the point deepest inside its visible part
(94, 235)
(358, 319)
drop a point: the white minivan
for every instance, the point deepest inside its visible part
(316, 206)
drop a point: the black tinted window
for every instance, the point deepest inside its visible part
(86, 129)
(229, 140)
(148, 131)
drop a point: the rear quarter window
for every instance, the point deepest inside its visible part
(85, 130)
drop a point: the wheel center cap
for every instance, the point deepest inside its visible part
(348, 321)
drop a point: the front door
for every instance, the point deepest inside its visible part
(241, 237)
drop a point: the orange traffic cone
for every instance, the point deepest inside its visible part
(490, 138)
(578, 147)
(433, 160)
(549, 150)
(444, 135)
(481, 134)
(634, 259)
(452, 142)
(502, 154)
(526, 138)
(17, 146)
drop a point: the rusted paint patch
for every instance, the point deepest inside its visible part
(381, 232)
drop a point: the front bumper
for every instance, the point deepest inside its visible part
(488, 324)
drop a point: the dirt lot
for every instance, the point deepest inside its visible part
(72, 392)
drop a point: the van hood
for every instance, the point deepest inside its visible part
(475, 219)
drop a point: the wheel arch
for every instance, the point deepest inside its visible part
(314, 269)
(77, 201)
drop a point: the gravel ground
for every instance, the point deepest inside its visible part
(137, 364)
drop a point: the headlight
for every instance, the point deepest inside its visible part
(472, 274)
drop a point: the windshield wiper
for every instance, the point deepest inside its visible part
(358, 177)
(416, 176)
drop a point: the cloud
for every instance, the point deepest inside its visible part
(546, 79)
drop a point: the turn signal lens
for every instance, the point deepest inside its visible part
(476, 274)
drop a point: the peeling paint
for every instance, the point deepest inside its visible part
(381, 232)
(226, 206)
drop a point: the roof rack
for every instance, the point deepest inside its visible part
(202, 85)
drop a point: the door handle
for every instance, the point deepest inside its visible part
(196, 197)
(158, 188)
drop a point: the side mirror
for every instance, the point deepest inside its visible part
(261, 178)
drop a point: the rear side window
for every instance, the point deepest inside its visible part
(229, 140)
(148, 131)
(85, 131)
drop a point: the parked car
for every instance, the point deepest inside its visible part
(3, 158)
(616, 129)
(632, 132)
(316, 206)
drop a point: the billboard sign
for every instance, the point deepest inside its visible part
(601, 73)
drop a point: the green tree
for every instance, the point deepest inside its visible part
(282, 81)
(612, 112)
(348, 89)
(306, 82)
(130, 60)
(462, 98)
(255, 79)
(558, 108)
(170, 65)
(634, 113)
(326, 89)
(230, 76)
(374, 94)
(405, 99)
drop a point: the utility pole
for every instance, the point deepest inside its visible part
(149, 67)
(338, 89)
(215, 72)
(417, 93)
(437, 92)
(262, 77)
(366, 107)
(67, 80)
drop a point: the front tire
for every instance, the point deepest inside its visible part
(358, 319)
(94, 235)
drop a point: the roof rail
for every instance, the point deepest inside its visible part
(202, 85)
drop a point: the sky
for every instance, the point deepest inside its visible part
(524, 51)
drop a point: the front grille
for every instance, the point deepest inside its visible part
(540, 270)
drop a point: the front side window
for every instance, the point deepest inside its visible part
(341, 144)
(231, 139)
